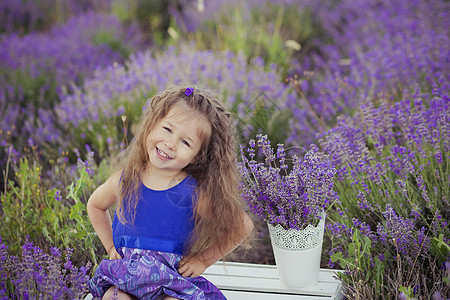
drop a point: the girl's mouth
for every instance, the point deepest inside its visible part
(162, 153)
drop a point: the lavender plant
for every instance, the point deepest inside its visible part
(370, 48)
(39, 274)
(40, 15)
(292, 194)
(94, 111)
(33, 68)
(393, 181)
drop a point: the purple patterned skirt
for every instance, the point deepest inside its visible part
(148, 274)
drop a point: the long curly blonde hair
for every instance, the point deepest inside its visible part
(214, 167)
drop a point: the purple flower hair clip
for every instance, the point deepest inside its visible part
(189, 91)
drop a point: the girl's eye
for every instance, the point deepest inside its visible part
(185, 142)
(167, 129)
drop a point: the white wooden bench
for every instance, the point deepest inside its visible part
(239, 281)
(242, 281)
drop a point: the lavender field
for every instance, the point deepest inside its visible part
(366, 82)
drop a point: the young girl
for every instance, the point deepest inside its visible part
(178, 209)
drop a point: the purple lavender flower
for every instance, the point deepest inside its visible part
(390, 178)
(35, 67)
(402, 230)
(36, 274)
(58, 195)
(241, 83)
(374, 49)
(292, 198)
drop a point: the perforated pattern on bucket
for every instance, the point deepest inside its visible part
(293, 239)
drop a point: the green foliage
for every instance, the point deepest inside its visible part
(30, 208)
(153, 16)
(261, 115)
(125, 11)
(82, 230)
(440, 249)
(407, 291)
(261, 32)
(358, 262)
(107, 37)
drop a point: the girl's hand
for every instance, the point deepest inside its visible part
(114, 254)
(192, 268)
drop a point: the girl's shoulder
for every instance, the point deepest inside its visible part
(112, 183)
(106, 194)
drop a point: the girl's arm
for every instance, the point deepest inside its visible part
(97, 207)
(197, 265)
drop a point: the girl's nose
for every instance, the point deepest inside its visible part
(170, 143)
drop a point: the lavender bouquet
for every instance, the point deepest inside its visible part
(293, 195)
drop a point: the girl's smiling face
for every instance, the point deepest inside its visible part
(177, 138)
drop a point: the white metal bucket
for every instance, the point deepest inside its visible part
(297, 254)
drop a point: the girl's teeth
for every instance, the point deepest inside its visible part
(163, 154)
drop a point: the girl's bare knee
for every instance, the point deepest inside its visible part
(120, 295)
(170, 298)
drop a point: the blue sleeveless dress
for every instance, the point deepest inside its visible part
(152, 247)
